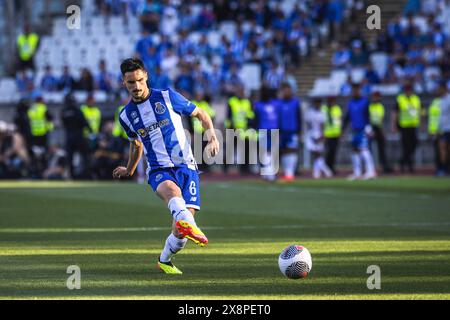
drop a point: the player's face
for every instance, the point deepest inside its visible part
(287, 92)
(136, 84)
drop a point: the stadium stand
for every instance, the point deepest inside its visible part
(284, 32)
(319, 47)
(414, 47)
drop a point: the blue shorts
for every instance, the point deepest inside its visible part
(187, 179)
(445, 137)
(289, 140)
(359, 140)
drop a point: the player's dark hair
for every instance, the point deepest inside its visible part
(131, 65)
(265, 94)
(285, 85)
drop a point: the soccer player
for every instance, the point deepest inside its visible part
(358, 116)
(290, 126)
(315, 119)
(152, 121)
(266, 118)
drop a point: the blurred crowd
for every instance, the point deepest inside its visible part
(416, 44)
(259, 32)
(418, 57)
(94, 144)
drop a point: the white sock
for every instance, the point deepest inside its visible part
(173, 245)
(316, 169)
(285, 163)
(324, 168)
(267, 167)
(356, 159)
(177, 207)
(291, 164)
(368, 162)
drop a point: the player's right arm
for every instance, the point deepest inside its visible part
(136, 149)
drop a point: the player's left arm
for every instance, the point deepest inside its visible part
(205, 119)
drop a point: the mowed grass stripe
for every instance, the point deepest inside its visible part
(150, 229)
(316, 247)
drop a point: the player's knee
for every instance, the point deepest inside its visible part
(168, 190)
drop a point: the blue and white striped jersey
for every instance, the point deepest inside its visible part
(157, 123)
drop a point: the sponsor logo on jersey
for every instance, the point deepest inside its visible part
(143, 132)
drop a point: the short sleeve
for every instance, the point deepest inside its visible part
(126, 125)
(180, 104)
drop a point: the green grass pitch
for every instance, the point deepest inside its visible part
(114, 232)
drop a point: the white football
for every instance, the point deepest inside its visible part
(295, 262)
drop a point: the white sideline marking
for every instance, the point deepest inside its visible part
(147, 229)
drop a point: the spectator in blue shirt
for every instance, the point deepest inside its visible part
(341, 57)
(24, 82)
(143, 44)
(232, 80)
(185, 82)
(371, 75)
(151, 59)
(159, 80)
(66, 81)
(203, 48)
(104, 79)
(215, 80)
(358, 57)
(49, 81)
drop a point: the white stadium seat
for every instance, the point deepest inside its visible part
(228, 28)
(8, 90)
(321, 88)
(251, 72)
(214, 39)
(338, 78)
(357, 75)
(379, 62)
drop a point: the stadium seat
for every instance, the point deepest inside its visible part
(53, 97)
(194, 37)
(357, 74)
(251, 72)
(228, 28)
(214, 39)
(8, 89)
(321, 87)
(287, 6)
(379, 62)
(387, 89)
(196, 9)
(338, 78)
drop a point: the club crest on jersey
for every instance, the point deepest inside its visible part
(159, 108)
(134, 115)
(158, 177)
